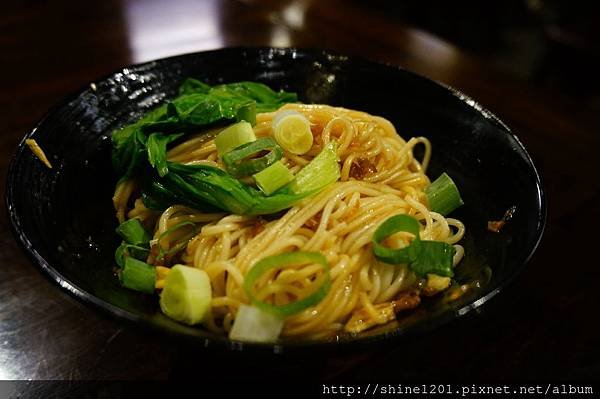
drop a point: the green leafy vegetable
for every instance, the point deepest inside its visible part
(156, 147)
(203, 184)
(266, 99)
(198, 105)
(191, 86)
(129, 143)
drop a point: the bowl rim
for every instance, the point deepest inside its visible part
(210, 340)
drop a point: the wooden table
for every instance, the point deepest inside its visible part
(543, 327)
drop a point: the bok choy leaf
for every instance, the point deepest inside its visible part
(198, 105)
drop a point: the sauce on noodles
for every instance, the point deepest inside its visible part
(380, 177)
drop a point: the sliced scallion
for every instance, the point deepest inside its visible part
(292, 131)
(273, 178)
(234, 136)
(422, 256)
(255, 325)
(443, 195)
(391, 226)
(248, 159)
(138, 275)
(125, 250)
(182, 241)
(133, 232)
(186, 294)
(285, 260)
(247, 113)
(435, 257)
(319, 172)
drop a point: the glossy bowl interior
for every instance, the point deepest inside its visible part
(64, 219)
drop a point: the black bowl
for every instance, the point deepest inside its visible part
(63, 216)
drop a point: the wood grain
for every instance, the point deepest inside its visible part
(542, 327)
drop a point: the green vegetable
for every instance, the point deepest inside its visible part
(129, 144)
(182, 241)
(242, 161)
(197, 106)
(234, 136)
(422, 256)
(283, 260)
(391, 226)
(194, 110)
(121, 253)
(266, 99)
(124, 250)
(435, 258)
(190, 86)
(139, 152)
(273, 178)
(205, 187)
(321, 171)
(292, 131)
(186, 295)
(133, 232)
(443, 195)
(137, 275)
(156, 146)
(199, 185)
(255, 325)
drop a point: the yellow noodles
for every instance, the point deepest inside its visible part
(379, 178)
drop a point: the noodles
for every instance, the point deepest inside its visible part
(380, 177)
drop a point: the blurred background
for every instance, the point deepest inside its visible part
(548, 43)
(550, 46)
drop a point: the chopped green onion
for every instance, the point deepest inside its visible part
(292, 131)
(435, 257)
(121, 253)
(443, 195)
(422, 256)
(138, 275)
(283, 260)
(186, 295)
(320, 171)
(240, 162)
(247, 113)
(273, 178)
(391, 226)
(183, 242)
(255, 325)
(124, 250)
(234, 136)
(133, 232)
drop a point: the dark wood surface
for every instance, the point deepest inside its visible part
(543, 327)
